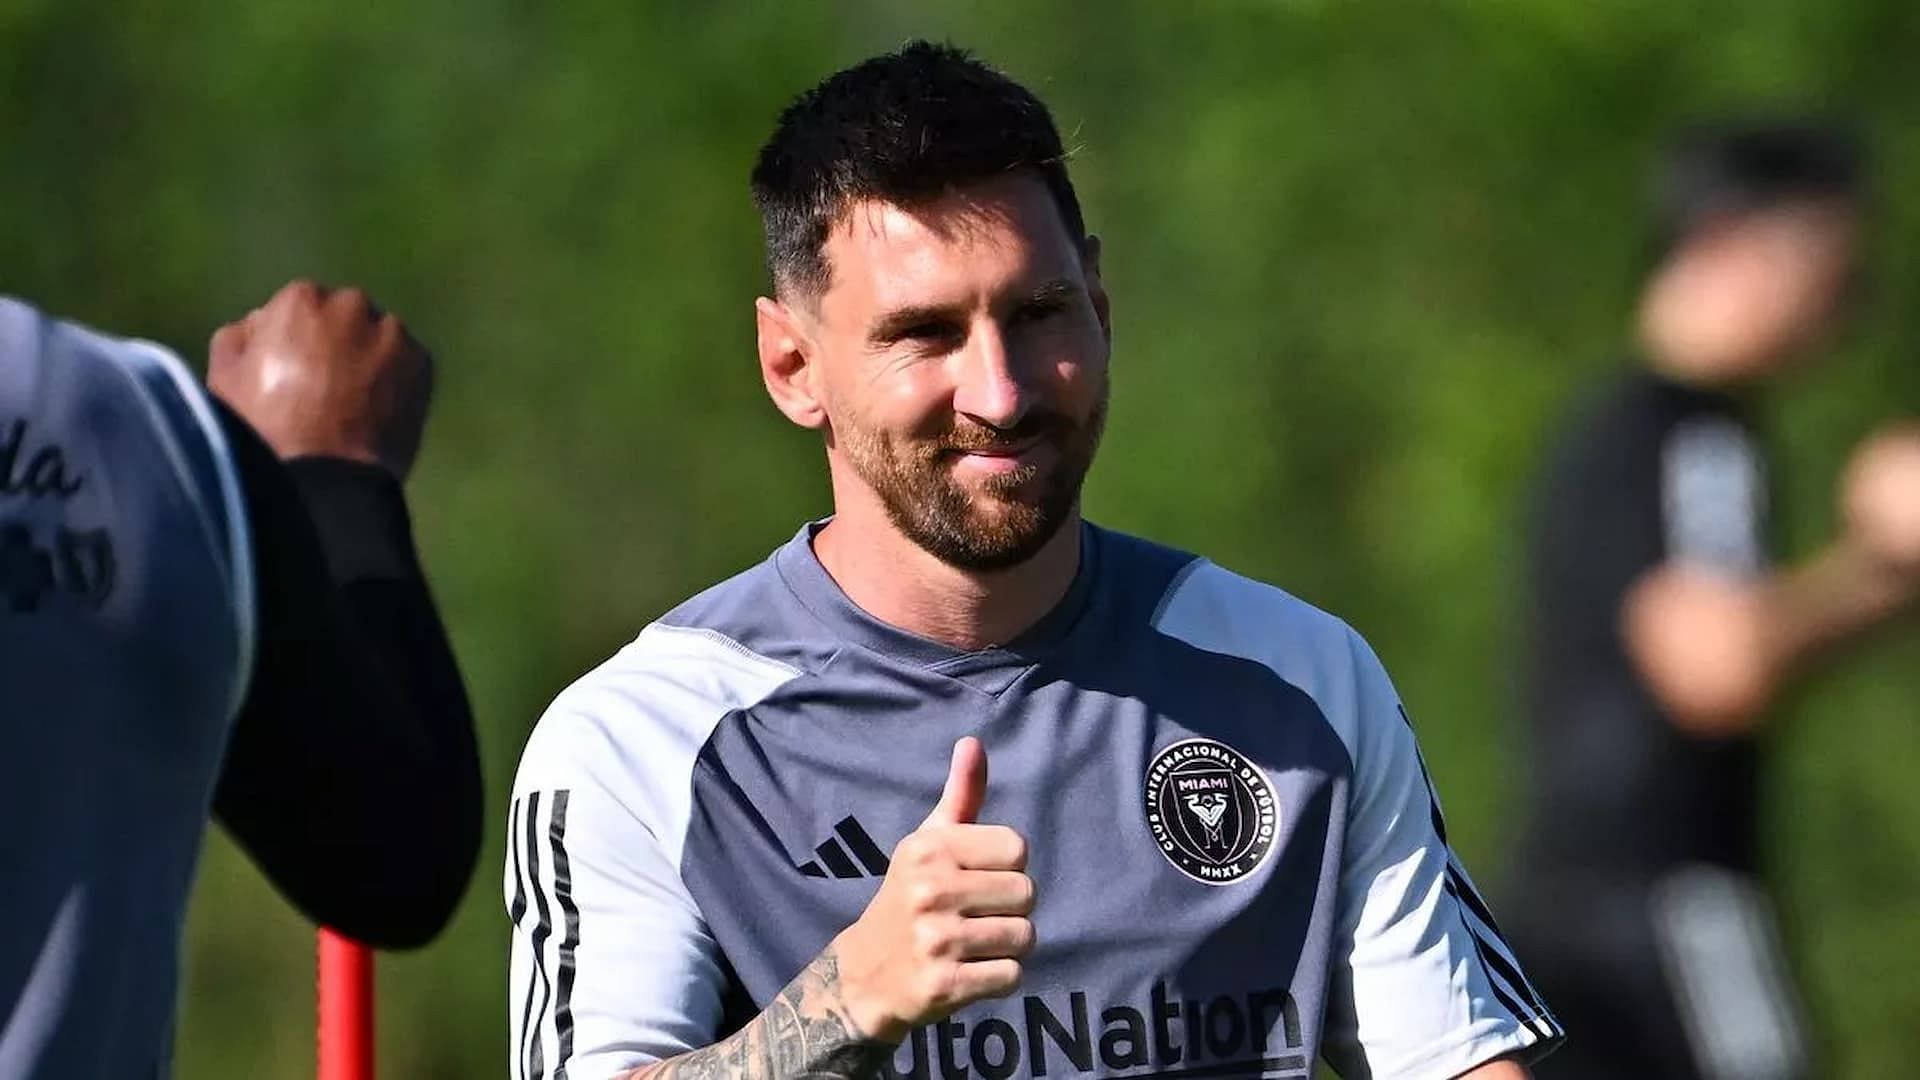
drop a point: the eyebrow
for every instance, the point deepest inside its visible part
(893, 325)
(1057, 291)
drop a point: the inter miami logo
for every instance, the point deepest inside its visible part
(1212, 812)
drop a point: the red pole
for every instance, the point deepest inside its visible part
(345, 996)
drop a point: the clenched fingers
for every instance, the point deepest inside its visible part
(995, 937)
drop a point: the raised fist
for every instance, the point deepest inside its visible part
(949, 924)
(1880, 498)
(321, 371)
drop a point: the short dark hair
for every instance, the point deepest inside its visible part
(904, 127)
(1710, 171)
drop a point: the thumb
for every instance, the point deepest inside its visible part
(966, 785)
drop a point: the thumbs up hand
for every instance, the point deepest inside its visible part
(949, 924)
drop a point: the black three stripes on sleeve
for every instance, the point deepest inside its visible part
(546, 897)
(1517, 995)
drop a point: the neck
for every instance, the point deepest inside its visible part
(1702, 374)
(895, 581)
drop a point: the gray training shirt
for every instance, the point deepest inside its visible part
(1238, 860)
(126, 600)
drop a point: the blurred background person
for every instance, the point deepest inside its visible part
(1662, 631)
(187, 622)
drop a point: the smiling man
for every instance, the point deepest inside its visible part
(761, 840)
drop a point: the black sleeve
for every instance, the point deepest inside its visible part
(352, 777)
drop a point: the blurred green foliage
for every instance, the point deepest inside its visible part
(1360, 255)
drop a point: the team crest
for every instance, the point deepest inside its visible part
(1212, 812)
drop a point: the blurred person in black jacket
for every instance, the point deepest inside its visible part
(1660, 629)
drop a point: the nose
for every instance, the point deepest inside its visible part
(990, 386)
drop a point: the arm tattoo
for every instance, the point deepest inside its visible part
(804, 1034)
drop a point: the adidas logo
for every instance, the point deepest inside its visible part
(834, 860)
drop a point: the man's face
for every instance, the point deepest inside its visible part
(1779, 277)
(960, 353)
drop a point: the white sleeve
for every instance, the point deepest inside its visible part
(1422, 984)
(612, 966)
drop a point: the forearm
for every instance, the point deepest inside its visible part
(1837, 595)
(366, 537)
(1716, 651)
(807, 1031)
(402, 744)
(351, 776)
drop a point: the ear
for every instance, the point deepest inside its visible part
(786, 365)
(1097, 289)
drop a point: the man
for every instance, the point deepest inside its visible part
(176, 635)
(1660, 632)
(1207, 846)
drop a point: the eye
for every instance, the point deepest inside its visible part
(1039, 310)
(929, 335)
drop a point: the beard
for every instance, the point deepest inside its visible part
(1005, 518)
